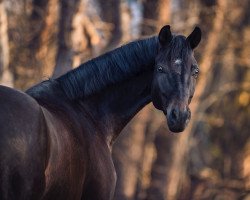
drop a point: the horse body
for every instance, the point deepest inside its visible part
(77, 158)
(56, 138)
(48, 158)
(80, 136)
(22, 146)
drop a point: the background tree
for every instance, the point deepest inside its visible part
(6, 77)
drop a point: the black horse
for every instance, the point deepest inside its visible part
(56, 139)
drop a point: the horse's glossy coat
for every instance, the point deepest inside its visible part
(56, 138)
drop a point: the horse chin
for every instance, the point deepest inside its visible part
(178, 127)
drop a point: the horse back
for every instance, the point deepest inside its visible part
(22, 146)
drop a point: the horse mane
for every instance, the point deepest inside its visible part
(112, 67)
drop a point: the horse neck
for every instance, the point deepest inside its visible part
(114, 86)
(114, 107)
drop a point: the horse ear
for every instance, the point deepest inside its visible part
(165, 35)
(194, 38)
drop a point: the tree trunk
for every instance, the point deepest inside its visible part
(113, 17)
(153, 21)
(163, 143)
(127, 152)
(31, 40)
(6, 77)
(64, 52)
(46, 53)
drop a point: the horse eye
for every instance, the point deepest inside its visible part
(160, 69)
(195, 71)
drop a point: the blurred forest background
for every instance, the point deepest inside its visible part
(211, 159)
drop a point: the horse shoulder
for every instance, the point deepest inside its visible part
(66, 158)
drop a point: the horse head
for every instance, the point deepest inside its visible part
(175, 74)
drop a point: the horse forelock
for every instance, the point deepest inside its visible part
(179, 49)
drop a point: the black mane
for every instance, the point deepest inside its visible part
(115, 66)
(110, 68)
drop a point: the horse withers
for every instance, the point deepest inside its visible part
(56, 138)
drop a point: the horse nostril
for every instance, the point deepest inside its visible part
(174, 114)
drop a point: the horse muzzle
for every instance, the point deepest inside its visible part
(177, 117)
